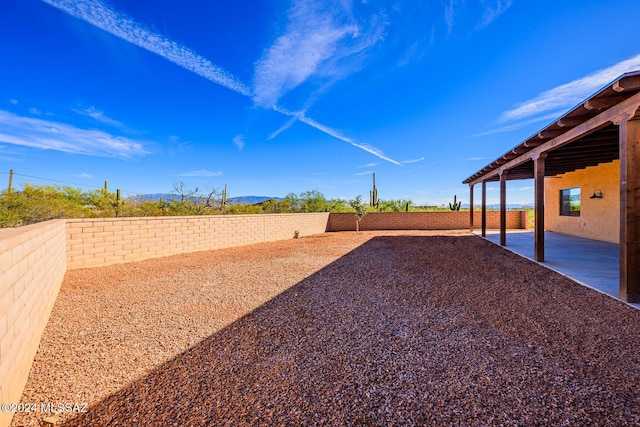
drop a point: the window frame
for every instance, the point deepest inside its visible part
(567, 205)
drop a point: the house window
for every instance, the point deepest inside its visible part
(570, 202)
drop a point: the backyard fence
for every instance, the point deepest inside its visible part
(34, 258)
(447, 220)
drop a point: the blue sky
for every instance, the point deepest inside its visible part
(279, 96)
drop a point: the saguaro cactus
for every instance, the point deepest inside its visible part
(373, 194)
(456, 205)
(224, 196)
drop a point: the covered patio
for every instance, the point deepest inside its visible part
(590, 262)
(602, 130)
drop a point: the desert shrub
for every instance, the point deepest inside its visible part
(41, 203)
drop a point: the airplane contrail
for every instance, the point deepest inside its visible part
(97, 14)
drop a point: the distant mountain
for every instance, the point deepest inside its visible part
(155, 196)
(250, 200)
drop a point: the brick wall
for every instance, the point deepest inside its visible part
(423, 220)
(95, 242)
(32, 267)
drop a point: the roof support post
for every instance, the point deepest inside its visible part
(629, 134)
(471, 207)
(538, 231)
(484, 208)
(503, 207)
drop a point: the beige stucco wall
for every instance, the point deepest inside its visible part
(599, 218)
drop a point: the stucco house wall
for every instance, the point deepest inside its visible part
(599, 218)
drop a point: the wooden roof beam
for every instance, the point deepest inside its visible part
(631, 104)
(550, 134)
(569, 122)
(627, 84)
(532, 143)
(602, 103)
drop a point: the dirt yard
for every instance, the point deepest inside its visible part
(375, 328)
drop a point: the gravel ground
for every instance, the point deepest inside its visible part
(375, 328)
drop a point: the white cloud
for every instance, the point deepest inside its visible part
(449, 14)
(284, 127)
(291, 61)
(334, 133)
(49, 135)
(238, 140)
(318, 35)
(369, 165)
(570, 94)
(199, 172)
(85, 175)
(404, 162)
(35, 111)
(363, 173)
(7, 153)
(492, 11)
(271, 77)
(98, 116)
(521, 124)
(98, 14)
(468, 12)
(368, 148)
(13, 101)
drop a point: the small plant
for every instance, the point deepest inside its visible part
(360, 210)
(456, 204)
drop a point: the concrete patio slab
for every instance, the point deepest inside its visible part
(589, 262)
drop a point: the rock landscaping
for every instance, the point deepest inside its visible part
(370, 328)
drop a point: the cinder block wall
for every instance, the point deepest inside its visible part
(32, 267)
(93, 242)
(515, 220)
(33, 260)
(423, 220)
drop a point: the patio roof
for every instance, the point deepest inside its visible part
(602, 128)
(584, 136)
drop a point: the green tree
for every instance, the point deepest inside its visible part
(136, 207)
(41, 203)
(102, 203)
(291, 203)
(360, 209)
(243, 208)
(272, 206)
(313, 201)
(339, 205)
(399, 205)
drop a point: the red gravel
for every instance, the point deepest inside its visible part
(382, 328)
